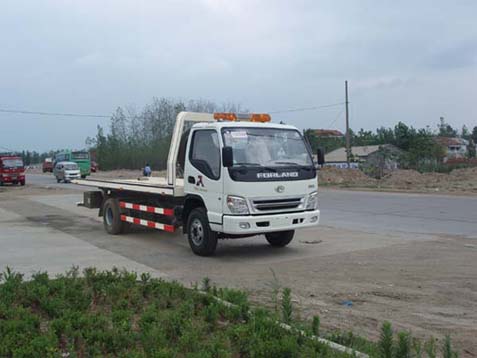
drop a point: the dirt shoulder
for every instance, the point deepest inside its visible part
(458, 182)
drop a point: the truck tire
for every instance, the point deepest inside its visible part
(112, 217)
(280, 238)
(202, 240)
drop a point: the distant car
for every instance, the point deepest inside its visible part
(66, 171)
(47, 165)
(94, 167)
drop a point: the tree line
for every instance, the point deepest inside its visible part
(136, 138)
(420, 149)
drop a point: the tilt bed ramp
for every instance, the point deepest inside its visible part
(245, 176)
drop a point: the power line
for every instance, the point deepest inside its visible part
(308, 108)
(54, 113)
(337, 117)
(92, 115)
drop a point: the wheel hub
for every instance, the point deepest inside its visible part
(109, 216)
(197, 232)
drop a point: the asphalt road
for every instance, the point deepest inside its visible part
(375, 212)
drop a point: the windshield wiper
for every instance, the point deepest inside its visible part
(306, 167)
(243, 164)
(247, 163)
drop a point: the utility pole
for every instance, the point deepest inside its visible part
(348, 142)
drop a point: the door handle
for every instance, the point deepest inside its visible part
(191, 180)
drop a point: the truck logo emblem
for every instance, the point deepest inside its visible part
(280, 189)
(273, 175)
(199, 181)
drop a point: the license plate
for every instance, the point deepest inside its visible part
(14, 177)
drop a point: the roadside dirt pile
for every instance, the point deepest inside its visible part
(352, 177)
(458, 181)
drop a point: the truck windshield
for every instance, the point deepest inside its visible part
(12, 163)
(267, 147)
(79, 155)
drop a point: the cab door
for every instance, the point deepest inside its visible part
(202, 174)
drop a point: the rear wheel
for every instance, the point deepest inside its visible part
(202, 240)
(112, 217)
(280, 238)
(58, 179)
(22, 183)
(83, 177)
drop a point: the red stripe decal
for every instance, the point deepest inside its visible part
(123, 217)
(149, 209)
(169, 228)
(169, 212)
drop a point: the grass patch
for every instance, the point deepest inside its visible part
(118, 314)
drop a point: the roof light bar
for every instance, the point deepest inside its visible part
(253, 117)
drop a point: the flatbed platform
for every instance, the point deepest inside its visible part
(152, 185)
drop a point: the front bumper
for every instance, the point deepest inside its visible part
(268, 223)
(10, 178)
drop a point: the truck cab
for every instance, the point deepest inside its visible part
(12, 170)
(253, 178)
(228, 176)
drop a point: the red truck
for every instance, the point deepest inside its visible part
(12, 170)
(47, 165)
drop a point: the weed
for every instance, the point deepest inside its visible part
(417, 348)
(315, 325)
(386, 340)
(206, 284)
(447, 351)
(287, 306)
(403, 349)
(275, 285)
(430, 348)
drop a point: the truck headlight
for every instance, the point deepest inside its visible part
(312, 201)
(237, 205)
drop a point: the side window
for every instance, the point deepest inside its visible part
(205, 153)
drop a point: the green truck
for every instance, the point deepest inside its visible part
(80, 157)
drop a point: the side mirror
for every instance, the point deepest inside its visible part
(320, 156)
(227, 157)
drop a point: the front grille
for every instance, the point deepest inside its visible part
(261, 205)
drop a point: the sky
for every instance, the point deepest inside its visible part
(410, 61)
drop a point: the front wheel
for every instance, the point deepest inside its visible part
(58, 180)
(202, 240)
(83, 177)
(22, 183)
(280, 238)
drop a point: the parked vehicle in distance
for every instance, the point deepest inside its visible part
(47, 165)
(12, 170)
(94, 166)
(66, 171)
(229, 176)
(81, 157)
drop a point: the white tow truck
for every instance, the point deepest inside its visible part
(228, 176)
